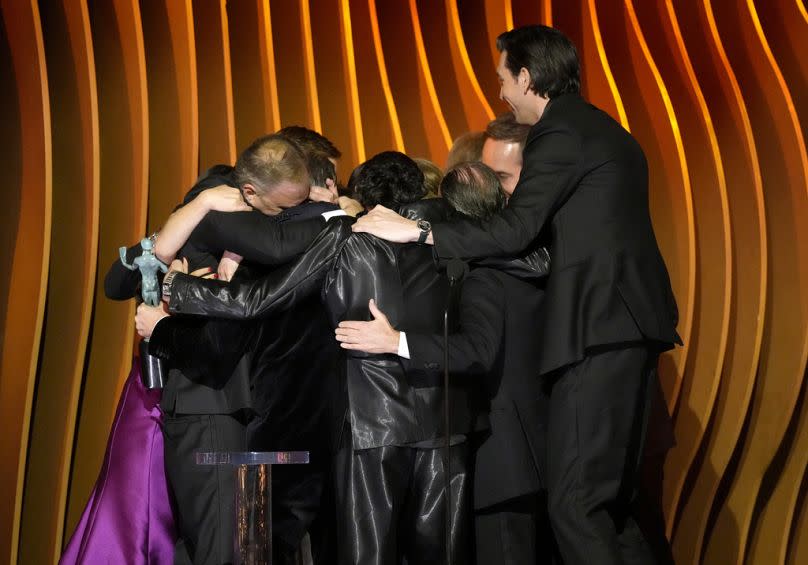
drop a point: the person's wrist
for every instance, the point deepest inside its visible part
(168, 280)
(395, 340)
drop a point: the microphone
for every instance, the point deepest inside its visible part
(456, 269)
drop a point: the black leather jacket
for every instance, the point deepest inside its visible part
(387, 406)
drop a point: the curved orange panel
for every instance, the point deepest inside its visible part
(798, 551)
(336, 79)
(784, 167)
(785, 23)
(168, 35)
(217, 129)
(654, 124)
(252, 64)
(123, 121)
(294, 64)
(773, 533)
(478, 111)
(474, 27)
(714, 257)
(74, 109)
(498, 18)
(455, 92)
(530, 12)
(379, 118)
(749, 275)
(422, 125)
(349, 61)
(25, 252)
(580, 23)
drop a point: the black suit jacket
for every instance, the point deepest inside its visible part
(585, 180)
(210, 360)
(494, 348)
(387, 406)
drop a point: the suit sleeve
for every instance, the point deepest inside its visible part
(255, 236)
(200, 346)
(475, 347)
(276, 292)
(550, 173)
(120, 283)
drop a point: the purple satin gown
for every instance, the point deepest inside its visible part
(128, 518)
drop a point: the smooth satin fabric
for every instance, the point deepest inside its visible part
(128, 518)
(390, 504)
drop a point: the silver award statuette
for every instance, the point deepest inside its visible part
(152, 370)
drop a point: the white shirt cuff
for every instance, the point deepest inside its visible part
(403, 348)
(333, 214)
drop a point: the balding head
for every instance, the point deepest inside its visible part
(473, 190)
(272, 174)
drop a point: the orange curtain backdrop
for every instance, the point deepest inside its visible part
(113, 107)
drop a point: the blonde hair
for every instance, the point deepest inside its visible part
(432, 176)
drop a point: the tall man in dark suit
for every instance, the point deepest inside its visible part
(608, 310)
(494, 349)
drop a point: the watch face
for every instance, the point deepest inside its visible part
(423, 225)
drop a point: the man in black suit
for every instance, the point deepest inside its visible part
(388, 471)
(223, 372)
(609, 309)
(493, 348)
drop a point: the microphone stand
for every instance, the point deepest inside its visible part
(455, 270)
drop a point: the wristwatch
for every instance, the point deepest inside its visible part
(425, 228)
(167, 280)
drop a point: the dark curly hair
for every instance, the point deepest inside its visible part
(547, 54)
(390, 179)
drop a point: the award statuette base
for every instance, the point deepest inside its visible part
(253, 476)
(152, 369)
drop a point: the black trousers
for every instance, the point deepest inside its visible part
(390, 506)
(514, 532)
(596, 431)
(204, 495)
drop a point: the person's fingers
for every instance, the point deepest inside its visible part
(375, 312)
(353, 325)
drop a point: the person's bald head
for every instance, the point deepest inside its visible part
(272, 174)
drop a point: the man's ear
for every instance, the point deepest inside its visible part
(524, 79)
(248, 190)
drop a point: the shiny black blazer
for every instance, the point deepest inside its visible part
(494, 348)
(584, 184)
(389, 404)
(386, 406)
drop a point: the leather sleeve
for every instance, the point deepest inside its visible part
(255, 236)
(475, 347)
(278, 291)
(550, 173)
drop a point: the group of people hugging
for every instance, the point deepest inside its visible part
(299, 314)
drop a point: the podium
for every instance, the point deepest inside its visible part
(253, 476)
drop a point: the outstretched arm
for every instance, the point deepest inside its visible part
(256, 237)
(551, 172)
(276, 292)
(182, 222)
(472, 350)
